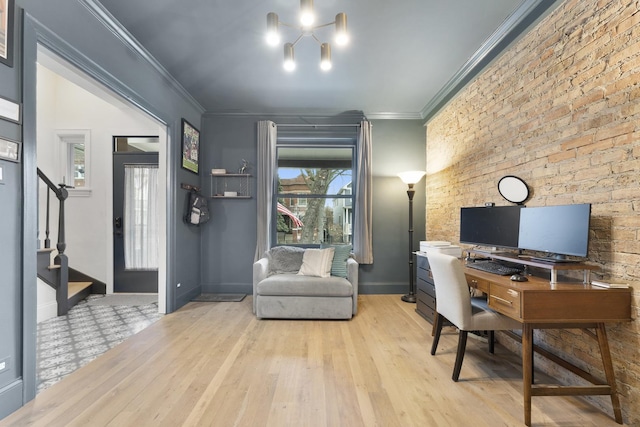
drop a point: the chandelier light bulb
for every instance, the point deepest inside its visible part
(342, 37)
(273, 36)
(289, 63)
(307, 17)
(325, 56)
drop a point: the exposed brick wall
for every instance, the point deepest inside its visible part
(560, 109)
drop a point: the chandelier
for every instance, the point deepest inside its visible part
(307, 29)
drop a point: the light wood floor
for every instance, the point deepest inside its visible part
(215, 364)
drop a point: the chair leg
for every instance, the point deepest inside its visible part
(491, 342)
(438, 329)
(462, 344)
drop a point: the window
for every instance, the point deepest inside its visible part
(314, 200)
(75, 155)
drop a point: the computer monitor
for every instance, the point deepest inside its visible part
(495, 226)
(557, 230)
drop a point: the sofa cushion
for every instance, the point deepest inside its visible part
(340, 256)
(294, 284)
(317, 262)
(284, 259)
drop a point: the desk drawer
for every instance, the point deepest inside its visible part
(427, 300)
(426, 287)
(423, 262)
(425, 311)
(505, 300)
(425, 275)
(480, 284)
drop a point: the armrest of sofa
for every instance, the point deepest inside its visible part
(260, 272)
(352, 277)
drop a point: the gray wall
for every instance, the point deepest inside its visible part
(228, 240)
(68, 28)
(11, 310)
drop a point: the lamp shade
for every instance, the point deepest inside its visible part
(325, 56)
(289, 63)
(273, 37)
(342, 38)
(307, 17)
(411, 177)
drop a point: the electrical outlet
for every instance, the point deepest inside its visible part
(4, 364)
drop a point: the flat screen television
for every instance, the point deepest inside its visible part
(557, 230)
(495, 226)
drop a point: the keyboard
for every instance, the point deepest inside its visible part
(494, 267)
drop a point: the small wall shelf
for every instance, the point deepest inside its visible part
(224, 185)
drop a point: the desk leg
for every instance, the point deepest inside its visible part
(608, 370)
(527, 369)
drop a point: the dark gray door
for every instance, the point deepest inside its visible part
(132, 271)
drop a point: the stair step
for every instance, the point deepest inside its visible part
(42, 250)
(77, 287)
(53, 267)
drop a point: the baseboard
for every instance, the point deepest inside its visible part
(10, 398)
(383, 288)
(227, 288)
(363, 288)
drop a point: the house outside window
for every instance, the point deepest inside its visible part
(314, 199)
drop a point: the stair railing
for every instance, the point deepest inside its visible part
(62, 281)
(61, 193)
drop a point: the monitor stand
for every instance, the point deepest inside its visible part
(555, 258)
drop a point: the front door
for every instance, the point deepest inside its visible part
(135, 222)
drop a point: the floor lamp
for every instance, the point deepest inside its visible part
(411, 178)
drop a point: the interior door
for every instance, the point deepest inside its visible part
(134, 260)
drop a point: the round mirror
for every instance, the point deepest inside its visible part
(513, 189)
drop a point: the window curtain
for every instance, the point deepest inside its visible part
(267, 137)
(141, 217)
(363, 224)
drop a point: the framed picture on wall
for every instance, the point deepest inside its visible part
(6, 32)
(190, 146)
(9, 150)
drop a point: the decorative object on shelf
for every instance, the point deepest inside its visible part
(244, 167)
(411, 178)
(218, 171)
(513, 189)
(6, 32)
(9, 150)
(190, 146)
(306, 28)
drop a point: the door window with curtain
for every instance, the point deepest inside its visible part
(141, 217)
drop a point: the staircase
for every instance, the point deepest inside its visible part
(71, 285)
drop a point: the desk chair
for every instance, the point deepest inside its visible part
(454, 303)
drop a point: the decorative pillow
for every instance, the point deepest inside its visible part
(284, 259)
(317, 262)
(340, 256)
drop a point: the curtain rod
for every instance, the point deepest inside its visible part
(318, 125)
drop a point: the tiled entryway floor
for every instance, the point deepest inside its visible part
(66, 343)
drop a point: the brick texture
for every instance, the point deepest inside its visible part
(561, 110)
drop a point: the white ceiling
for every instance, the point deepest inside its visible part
(403, 58)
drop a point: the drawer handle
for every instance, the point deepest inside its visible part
(502, 300)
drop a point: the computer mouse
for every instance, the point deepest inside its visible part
(518, 278)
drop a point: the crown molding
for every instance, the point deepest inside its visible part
(395, 116)
(302, 114)
(113, 25)
(516, 24)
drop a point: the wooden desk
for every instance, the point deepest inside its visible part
(538, 304)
